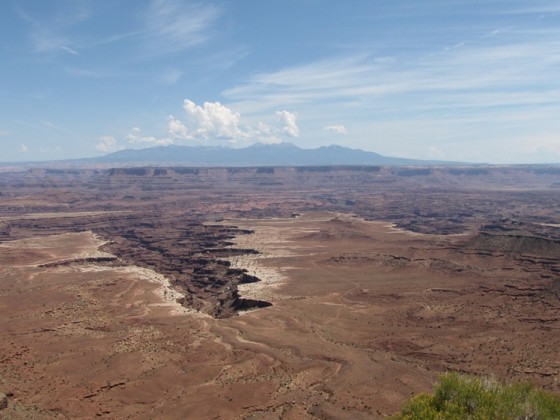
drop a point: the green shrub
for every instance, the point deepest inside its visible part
(459, 396)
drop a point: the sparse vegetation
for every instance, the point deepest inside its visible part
(459, 396)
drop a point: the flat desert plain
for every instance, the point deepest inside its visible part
(132, 296)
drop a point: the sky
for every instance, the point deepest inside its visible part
(463, 80)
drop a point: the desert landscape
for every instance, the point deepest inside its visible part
(311, 292)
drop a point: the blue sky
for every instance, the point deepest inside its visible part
(463, 80)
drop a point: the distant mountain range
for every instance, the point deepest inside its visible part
(284, 154)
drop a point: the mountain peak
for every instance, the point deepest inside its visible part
(282, 145)
(258, 154)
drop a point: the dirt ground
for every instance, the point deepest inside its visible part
(363, 317)
(125, 296)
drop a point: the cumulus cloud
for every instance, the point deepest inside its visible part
(288, 121)
(136, 137)
(337, 129)
(107, 144)
(212, 122)
(177, 129)
(266, 134)
(215, 121)
(212, 119)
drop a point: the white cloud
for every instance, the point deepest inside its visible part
(94, 74)
(215, 121)
(511, 77)
(337, 129)
(499, 69)
(538, 9)
(177, 129)
(136, 137)
(69, 50)
(173, 26)
(55, 127)
(168, 26)
(23, 148)
(107, 144)
(288, 122)
(212, 119)
(47, 32)
(45, 42)
(266, 134)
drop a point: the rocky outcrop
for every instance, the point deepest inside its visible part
(190, 254)
(515, 244)
(155, 216)
(398, 261)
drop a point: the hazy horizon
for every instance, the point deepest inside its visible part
(438, 80)
(158, 161)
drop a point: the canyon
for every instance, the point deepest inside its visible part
(272, 292)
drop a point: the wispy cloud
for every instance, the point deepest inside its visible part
(45, 41)
(69, 50)
(480, 75)
(170, 77)
(48, 34)
(167, 26)
(93, 74)
(52, 126)
(486, 89)
(537, 8)
(225, 59)
(173, 26)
